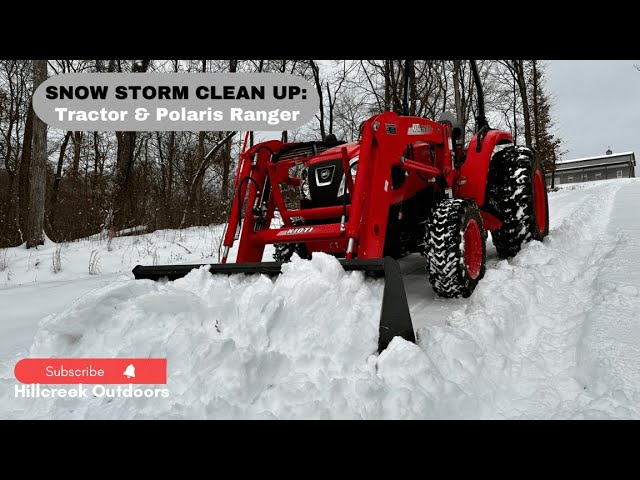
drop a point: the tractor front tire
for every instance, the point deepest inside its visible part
(455, 248)
(517, 194)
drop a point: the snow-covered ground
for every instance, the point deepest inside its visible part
(551, 333)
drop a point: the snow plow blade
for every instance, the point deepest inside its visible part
(395, 318)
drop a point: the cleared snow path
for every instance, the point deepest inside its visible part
(517, 348)
(20, 324)
(609, 348)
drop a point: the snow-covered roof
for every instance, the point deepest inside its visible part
(573, 167)
(562, 162)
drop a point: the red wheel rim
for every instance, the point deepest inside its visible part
(540, 200)
(473, 248)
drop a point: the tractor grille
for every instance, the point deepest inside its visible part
(324, 182)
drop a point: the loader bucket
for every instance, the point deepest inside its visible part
(395, 318)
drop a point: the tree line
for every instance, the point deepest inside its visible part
(72, 184)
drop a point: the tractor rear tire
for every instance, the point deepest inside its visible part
(455, 248)
(517, 195)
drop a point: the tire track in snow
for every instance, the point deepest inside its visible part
(512, 349)
(609, 348)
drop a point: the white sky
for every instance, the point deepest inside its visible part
(597, 105)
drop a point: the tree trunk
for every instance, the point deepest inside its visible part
(23, 175)
(412, 88)
(199, 175)
(199, 179)
(226, 158)
(38, 173)
(56, 182)
(331, 105)
(226, 171)
(536, 110)
(316, 78)
(63, 149)
(522, 86)
(96, 155)
(515, 112)
(124, 164)
(11, 234)
(458, 98)
(171, 156)
(77, 144)
(387, 85)
(123, 205)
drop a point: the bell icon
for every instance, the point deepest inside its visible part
(130, 371)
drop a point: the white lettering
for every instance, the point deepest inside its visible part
(236, 114)
(60, 111)
(184, 115)
(20, 391)
(272, 117)
(161, 113)
(66, 115)
(63, 372)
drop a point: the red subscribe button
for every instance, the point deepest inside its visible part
(92, 370)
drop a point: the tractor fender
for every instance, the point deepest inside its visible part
(476, 166)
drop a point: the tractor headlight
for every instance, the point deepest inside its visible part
(305, 191)
(353, 166)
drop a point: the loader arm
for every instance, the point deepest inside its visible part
(360, 233)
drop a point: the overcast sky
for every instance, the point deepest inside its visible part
(597, 105)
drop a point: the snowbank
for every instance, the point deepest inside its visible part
(236, 346)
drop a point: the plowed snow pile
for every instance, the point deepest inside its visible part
(551, 333)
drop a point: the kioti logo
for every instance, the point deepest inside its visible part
(52, 371)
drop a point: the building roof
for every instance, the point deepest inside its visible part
(573, 166)
(575, 160)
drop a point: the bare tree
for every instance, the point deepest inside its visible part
(38, 170)
(199, 175)
(517, 69)
(25, 165)
(123, 202)
(318, 82)
(458, 96)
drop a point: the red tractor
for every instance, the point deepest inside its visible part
(407, 186)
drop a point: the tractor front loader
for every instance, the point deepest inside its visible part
(405, 187)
